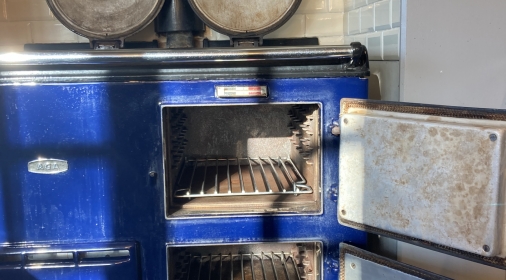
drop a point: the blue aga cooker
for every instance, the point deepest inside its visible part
(174, 164)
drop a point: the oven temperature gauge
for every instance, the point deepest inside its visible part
(241, 91)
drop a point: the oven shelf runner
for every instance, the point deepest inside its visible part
(240, 177)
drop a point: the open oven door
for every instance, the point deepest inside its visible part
(358, 264)
(424, 174)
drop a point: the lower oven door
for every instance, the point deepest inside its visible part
(358, 264)
(427, 175)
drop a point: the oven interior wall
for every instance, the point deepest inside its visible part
(225, 143)
(265, 260)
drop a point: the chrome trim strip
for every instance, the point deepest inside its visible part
(169, 57)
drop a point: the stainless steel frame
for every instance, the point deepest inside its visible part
(170, 57)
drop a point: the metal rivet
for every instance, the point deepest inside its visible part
(152, 174)
(493, 137)
(353, 265)
(486, 248)
(345, 121)
(343, 212)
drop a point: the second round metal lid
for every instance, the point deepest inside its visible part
(105, 19)
(238, 18)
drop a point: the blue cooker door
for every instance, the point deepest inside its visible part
(358, 264)
(57, 184)
(424, 174)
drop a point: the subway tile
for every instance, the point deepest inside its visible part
(13, 48)
(15, 33)
(214, 35)
(354, 22)
(346, 30)
(367, 19)
(348, 40)
(391, 42)
(329, 24)
(293, 28)
(147, 34)
(210, 34)
(348, 5)
(375, 46)
(3, 15)
(222, 37)
(336, 6)
(382, 15)
(312, 6)
(361, 39)
(81, 39)
(333, 40)
(51, 32)
(396, 13)
(28, 10)
(360, 3)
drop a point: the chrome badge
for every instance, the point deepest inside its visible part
(48, 166)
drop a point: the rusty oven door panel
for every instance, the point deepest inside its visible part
(430, 175)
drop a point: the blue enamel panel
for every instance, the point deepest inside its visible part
(111, 136)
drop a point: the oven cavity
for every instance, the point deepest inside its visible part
(242, 159)
(246, 261)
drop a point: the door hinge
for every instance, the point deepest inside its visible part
(333, 192)
(335, 128)
(107, 44)
(331, 264)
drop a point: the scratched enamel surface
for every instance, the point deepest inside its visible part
(110, 135)
(427, 177)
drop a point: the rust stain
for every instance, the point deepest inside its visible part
(432, 131)
(447, 191)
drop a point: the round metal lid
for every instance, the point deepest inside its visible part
(105, 19)
(238, 18)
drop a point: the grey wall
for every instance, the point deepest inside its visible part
(452, 53)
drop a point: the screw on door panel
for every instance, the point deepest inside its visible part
(152, 174)
(486, 248)
(353, 265)
(335, 128)
(493, 137)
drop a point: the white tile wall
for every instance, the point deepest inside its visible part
(51, 32)
(295, 27)
(29, 10)
(313, 6)
(382, 15)
(367, 19)
(396, 13)
(391, 42)
(374, 43)
(334, 40)
(359, 3)
(332, 21)
(3, 15)
(336, 6)
(354, 22)
(15, 33)
(348, 5)
(374, 23)
(327, 25)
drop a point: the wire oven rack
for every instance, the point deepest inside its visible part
(264, 177)
(253, 266)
